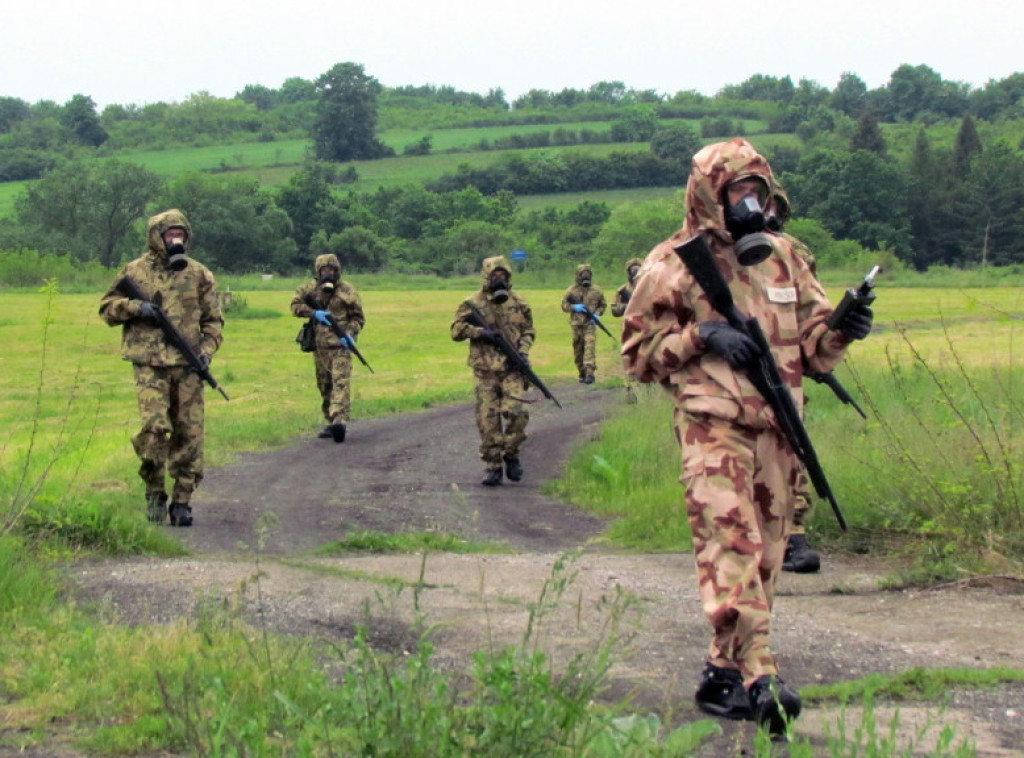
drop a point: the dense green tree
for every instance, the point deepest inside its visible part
(238, 227)
(263, 98)
(761, 87)
(80, 119)
(307, 200)
(295, 89)
(868, 135)
(966, 148)
(633, 230)
(638, 124)
(346, 115)
(12, 112)
(849, 95)
(86, 208)
(676, 143)
(993, 232)
(358, 248)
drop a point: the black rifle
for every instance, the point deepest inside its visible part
(130, 289)
(347, 340)
(516, 360)
(836, 386)
(571, 299)
(763, 373)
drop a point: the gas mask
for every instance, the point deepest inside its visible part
(177, 257)
(585, 280)
(746, 223)
(327, 279)
(633, 271)
(498, 285)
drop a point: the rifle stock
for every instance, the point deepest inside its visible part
(765, 376)
(130, 288)
(517, 362)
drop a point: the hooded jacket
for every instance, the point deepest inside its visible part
(625, 292)
(661, 342)
(592, 297)
(188, 298)
(513, 318)
(342, 303)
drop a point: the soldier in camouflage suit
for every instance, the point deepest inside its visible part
(622, 296)
(327, 298)
(584, 333)
(499, 390)
(170, 394)
(739, 472)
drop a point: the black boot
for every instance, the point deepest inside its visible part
(338, 431)
(493, 478)
(181, 514)
(513, 469)
(156, 507)
(800, 557)
(325, 433)
(721, 693)
(774, 703)
(588, 379)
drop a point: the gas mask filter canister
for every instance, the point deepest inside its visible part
(177, 258)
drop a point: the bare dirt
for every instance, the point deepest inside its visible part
(420, 472)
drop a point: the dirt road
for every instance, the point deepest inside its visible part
(419, 472)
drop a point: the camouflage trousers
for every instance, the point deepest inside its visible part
(740, 486)
(171, 438)
(333, 374)
(499, 404)
(584, 348)
(804, 506)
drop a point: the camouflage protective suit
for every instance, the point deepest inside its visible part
(499, 390)
(333, 363)
(622, 298)
(584, 332)
(170, 394)
(738, 469)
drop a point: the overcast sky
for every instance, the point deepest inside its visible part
(132, 51)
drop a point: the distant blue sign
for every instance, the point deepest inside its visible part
(519, 256)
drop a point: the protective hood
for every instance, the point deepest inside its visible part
(326, 259)
(779, 213)
(159, 224)
(632, 262)
(584, 268)
(714, 167)
(491, 265)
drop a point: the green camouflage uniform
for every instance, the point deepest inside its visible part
(170, 394)
(584, 332)
(333, 362)
(622, 297)
(499, 391)
(738, 469)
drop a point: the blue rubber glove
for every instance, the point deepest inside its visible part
(580, 308)
(348, 342)
(324, 317)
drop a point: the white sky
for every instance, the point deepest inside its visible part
(125, 51)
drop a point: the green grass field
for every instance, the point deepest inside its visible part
(78, 395)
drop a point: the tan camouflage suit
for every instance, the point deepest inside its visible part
(622, 297)
(584, 332)
(738, 470)
(332, 361)
(170, 394)
(499, 390)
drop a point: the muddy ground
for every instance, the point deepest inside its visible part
(419, 472)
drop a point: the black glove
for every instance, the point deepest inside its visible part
(856, 324)
(733, 345)
(204, 362)
(147, 311)
(526, 359)
(489, 335)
